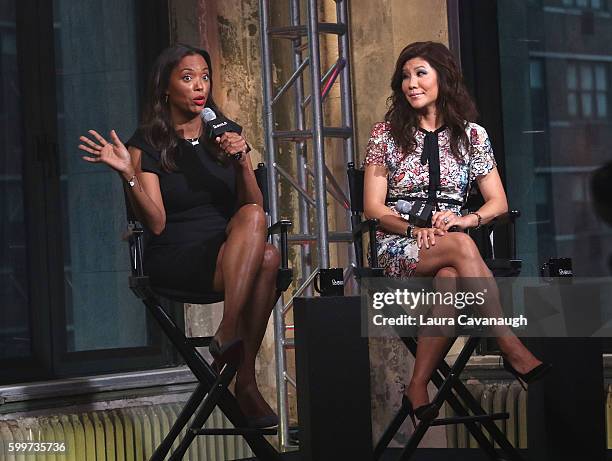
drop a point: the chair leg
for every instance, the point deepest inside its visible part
(438, 379)
(468, 399)
(188, 410)
(390, 432)
(497, 435)
(413, 443)
(205, 375)
(446, 379)
(205, 410)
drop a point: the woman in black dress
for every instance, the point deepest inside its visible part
(203, 210)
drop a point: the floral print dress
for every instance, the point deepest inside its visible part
(398, 254)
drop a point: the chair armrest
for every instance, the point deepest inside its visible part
(359, 228)
(508, 217)
(369, 225)
(134, 236)
(285, 274)
(280, 226)
(502, 226)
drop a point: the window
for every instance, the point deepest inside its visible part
(545, 101)
(590, 4)
(587, 90)
(66, 307)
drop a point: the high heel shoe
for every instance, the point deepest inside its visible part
(532, 375)
(424, 413)
(229, 353)
(257, 412)
(263, 422)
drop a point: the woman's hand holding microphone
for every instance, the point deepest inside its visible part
(233, 144)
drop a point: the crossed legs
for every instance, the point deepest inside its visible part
(246, 271)
(456, 255)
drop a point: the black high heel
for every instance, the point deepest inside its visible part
(532, 375)
(424, 413)
(231, 353)
(263, 422)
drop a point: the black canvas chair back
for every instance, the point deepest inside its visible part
(451, 390)
(212, 389)
(360, 226)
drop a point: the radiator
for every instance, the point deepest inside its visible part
(126, 434)
(494, 398)
(513, 399)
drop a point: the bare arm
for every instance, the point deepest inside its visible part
(374, 196)
(145, 195)
(494, 196)
(246, 184)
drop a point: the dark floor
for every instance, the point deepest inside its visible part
(425, 454)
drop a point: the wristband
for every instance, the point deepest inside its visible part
(409, 232)
(479, 219)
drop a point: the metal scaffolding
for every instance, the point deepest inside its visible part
(309, 175)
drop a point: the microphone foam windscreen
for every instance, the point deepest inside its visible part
(208, 114)
(402, 206)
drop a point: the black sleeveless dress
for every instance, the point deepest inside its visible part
(199, 198)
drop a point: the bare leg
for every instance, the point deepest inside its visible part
(457, 250)
(238, 264)
(430, 350)
(254, 320)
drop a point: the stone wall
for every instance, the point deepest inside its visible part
(379, 31)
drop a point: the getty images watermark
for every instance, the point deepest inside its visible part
(412, 302)
(524, 306)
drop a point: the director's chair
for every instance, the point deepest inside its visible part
(446, 378)
(212, 388)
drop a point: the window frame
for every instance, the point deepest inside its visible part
(593, 92)
(49, 357)
(476, 42)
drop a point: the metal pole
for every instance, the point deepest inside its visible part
(346, 99)
(301, 158)
(345, 82)
(279, 320)
(318, 147)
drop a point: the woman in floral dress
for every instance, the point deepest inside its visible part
(431, 114)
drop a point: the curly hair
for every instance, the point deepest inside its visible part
(454, 105)
(156, 125)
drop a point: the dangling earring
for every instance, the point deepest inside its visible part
(166, 99)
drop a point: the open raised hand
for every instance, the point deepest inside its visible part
(113, 154)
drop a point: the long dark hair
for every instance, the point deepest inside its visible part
(156, 126)
(454, 104)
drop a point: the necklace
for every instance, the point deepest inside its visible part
(195, 141)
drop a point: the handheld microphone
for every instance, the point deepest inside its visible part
(402, 206)
(419, 212)
(216, 126)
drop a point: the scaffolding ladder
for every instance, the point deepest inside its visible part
(308, 138)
